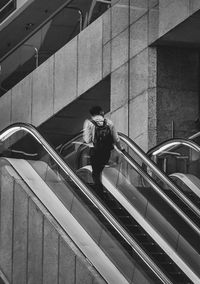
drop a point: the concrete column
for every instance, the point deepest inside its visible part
(133, 69)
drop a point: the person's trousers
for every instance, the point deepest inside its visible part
(98, 160)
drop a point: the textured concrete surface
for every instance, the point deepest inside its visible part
(152, 118)
(171, 13)
(138, 119)
(119, 50)
(6, 233)
(106, 59)
(152, 3)
(153, 24)
(42, 96)
(194, 6)
(122, 113)
(106, 18)
(65, 75)
(20, 235)
(90, 56)
(119, 87)
(137, 9)
(139, 74)
(120, 17)
(35, 241)
(22, 92)
(138, 36)
(5, 110)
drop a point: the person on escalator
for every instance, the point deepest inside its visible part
(101, 136)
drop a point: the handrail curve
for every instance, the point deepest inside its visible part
(173, 143)
(10, 130)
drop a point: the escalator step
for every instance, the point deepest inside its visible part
(119, 212)
(155, 252)
(141, 237)
(160, 257)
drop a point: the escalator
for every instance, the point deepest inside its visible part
(143, 196)
(112, 240)
(146, 234)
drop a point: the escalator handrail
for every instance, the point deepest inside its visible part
(197, 134)
(6, 5)
(139, 169)
(161, 174)
(173, 143)
(16, 127)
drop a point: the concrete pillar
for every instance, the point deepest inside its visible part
(134, 25)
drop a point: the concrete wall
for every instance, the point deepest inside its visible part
(20, 3)
(134, 25)
(150, 88)
(58, 81)
(116, 43)
(119, 44)
(173, 12)
(33, 247)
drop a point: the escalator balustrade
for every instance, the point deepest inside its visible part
(124, 179)
(130, 256)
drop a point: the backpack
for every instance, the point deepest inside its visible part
(103, 139)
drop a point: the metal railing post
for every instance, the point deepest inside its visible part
(36, 53)
(80, 13)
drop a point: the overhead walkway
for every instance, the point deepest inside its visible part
(95, 229)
